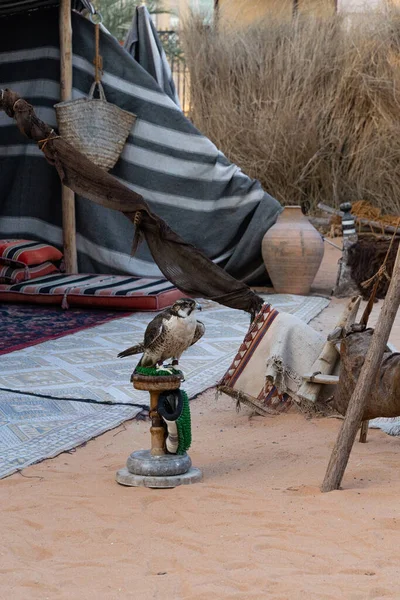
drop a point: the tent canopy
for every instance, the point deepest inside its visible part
(8, 7)
(206, 199)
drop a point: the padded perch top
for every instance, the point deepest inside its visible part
(154, 380)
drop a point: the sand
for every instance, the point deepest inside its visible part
(257, 526)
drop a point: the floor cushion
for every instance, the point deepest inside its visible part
(10, 275)
(19, 253)
(96, 291)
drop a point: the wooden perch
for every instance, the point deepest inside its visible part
(327, 360)
(355, 411)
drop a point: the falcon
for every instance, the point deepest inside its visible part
(169, 334)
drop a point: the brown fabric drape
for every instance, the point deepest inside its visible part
(180, 262)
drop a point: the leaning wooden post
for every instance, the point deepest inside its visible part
(68, 196)
(344, 443)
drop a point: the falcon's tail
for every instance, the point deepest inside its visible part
(139, 348)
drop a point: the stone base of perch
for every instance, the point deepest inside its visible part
(155, 468)
(143, 463)
(167, 471)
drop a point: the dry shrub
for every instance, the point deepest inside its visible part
(308, 106)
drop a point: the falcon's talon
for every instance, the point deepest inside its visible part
(164, 368)
(174, 371)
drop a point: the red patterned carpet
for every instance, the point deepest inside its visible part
(22, 326)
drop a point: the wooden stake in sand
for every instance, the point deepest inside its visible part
(344, 443)
(68, 196)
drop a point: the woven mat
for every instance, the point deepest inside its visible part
(84, 365)
(23, 325)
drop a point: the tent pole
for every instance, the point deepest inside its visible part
(368, 375)
(68, 196)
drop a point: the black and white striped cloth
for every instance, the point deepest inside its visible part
(8, 7)
(179, 172)
(144, 45)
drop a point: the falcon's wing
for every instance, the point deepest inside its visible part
(154, 329)
(199, 332)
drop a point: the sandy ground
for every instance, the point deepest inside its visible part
(257, 526)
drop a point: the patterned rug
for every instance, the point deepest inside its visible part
(84, 366)
(22, 326)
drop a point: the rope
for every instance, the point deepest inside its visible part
(84, 400)
(382, 272)
(137, 218)
(50, 137)
(98, 61)
(16, 102)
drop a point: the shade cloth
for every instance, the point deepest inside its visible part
(180, 173)
(144, 45)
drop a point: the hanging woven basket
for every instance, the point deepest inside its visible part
(95, 127)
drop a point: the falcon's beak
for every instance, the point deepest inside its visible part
(198, 306)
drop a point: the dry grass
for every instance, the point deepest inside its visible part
(309, 107)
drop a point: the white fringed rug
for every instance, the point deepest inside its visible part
(389, 426)
(84, 366)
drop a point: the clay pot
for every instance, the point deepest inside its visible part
(292, 250)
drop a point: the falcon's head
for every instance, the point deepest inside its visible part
(184, 307)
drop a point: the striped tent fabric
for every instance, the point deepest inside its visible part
(14, 6)
(144, 45)
(206, 199)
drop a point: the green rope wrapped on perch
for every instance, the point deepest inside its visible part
(173, 406)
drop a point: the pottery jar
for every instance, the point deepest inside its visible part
(292, 250)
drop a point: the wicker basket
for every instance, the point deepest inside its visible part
(95, 127)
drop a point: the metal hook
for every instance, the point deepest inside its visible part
(96, 18)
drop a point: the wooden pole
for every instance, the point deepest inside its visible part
(155, 385)
(321, 379)
(355, 410)
(68, 196)
(157, 430)
(364, 432)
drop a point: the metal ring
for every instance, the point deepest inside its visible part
(88, 5)
(96, 18)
